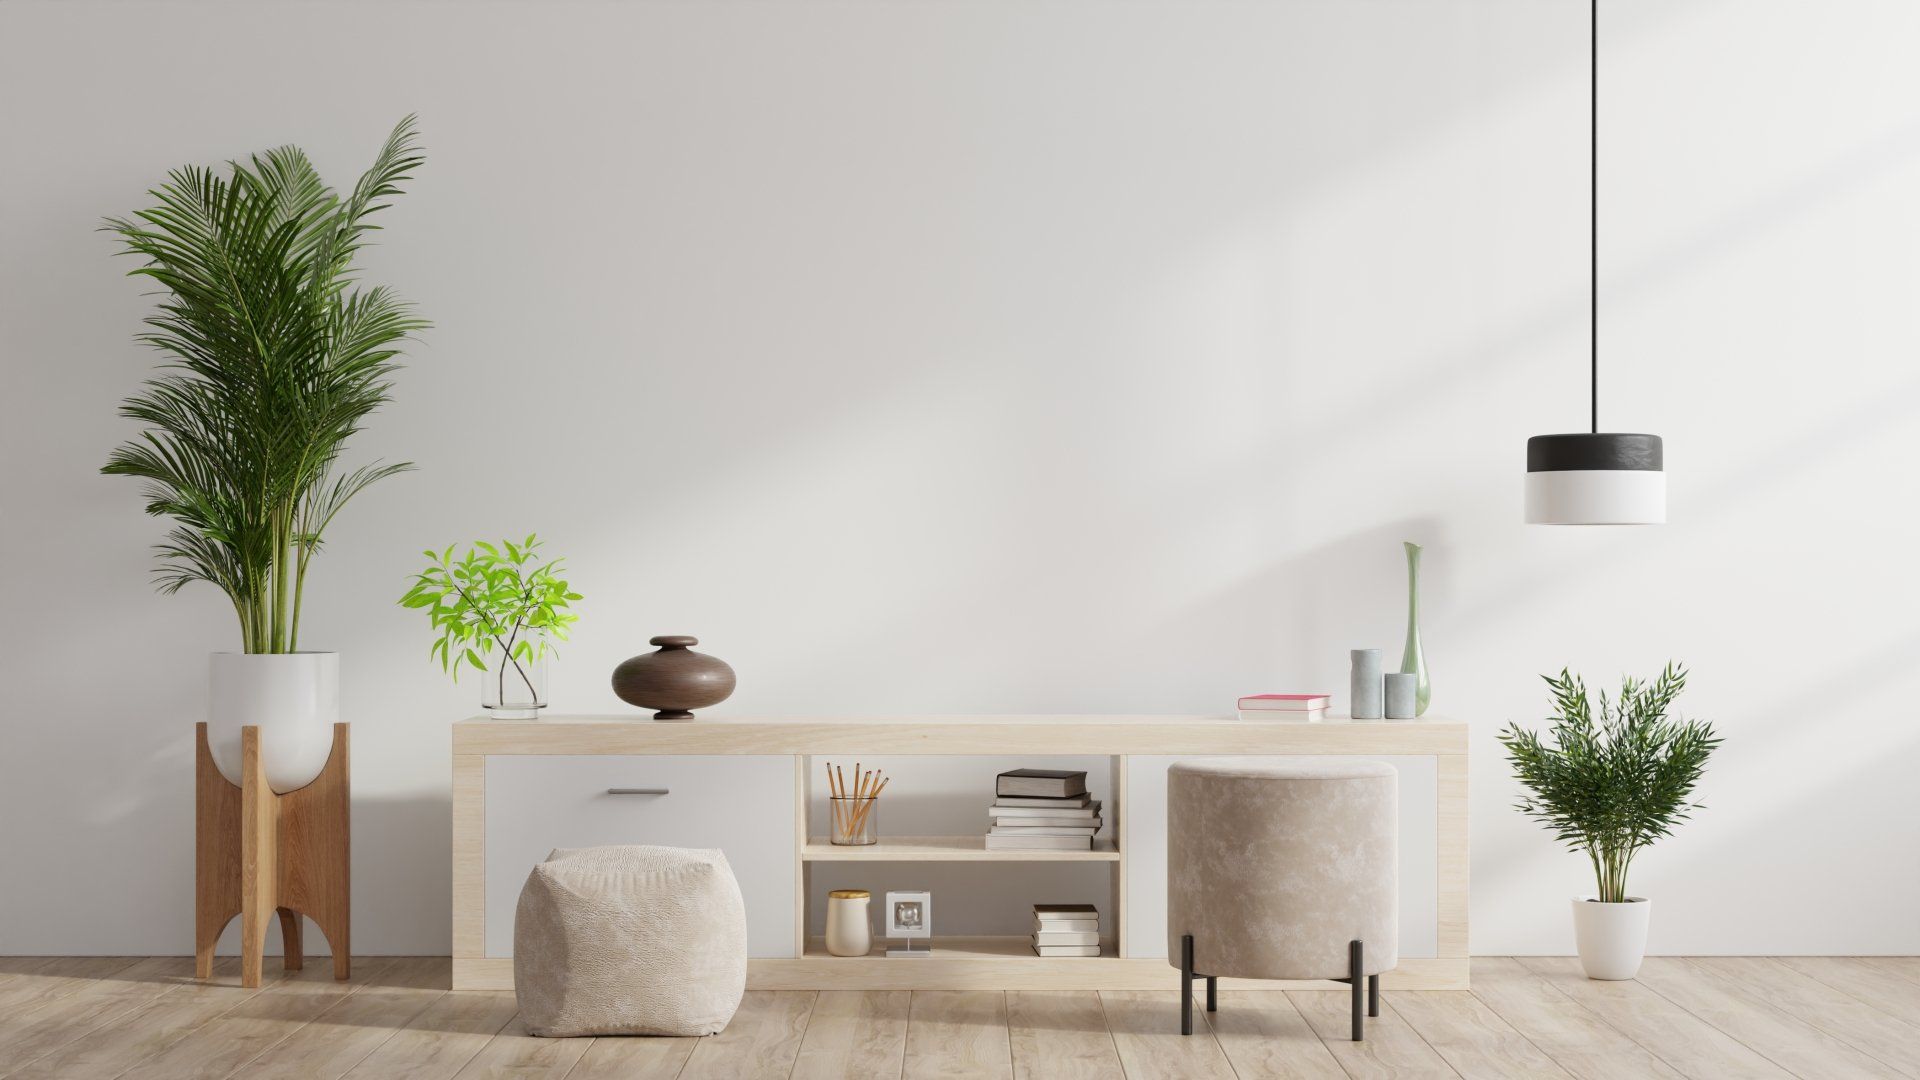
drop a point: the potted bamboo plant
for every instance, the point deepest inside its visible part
(1608, 784)
(274, 358)
(499, 609)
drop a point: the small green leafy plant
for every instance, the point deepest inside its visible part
(1611, 784)
(495, 599)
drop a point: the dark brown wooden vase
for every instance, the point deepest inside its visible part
(675, 679)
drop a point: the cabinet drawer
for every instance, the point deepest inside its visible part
(741, 804)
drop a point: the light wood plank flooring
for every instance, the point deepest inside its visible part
(101, 1018)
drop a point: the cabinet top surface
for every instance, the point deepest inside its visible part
(1070, 733)
(1103, 719)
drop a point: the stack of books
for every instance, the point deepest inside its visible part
(1066, 930)
(1042, 810)
(1311, 708)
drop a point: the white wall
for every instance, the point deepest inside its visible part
(1023, 356)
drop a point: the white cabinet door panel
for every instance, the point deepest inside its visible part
(741, 804)
(1146, 856)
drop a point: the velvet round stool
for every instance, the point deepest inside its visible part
(1283, 871)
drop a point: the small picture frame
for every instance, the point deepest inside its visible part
(909, 918)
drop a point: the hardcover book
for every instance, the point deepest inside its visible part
(1283, 716)
(1041, 802)
(1285, 702)
(1040, 830)
(1046, 782)
(1088, 926)
(1011, 842)
(1090, 810)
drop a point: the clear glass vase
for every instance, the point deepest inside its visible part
(515, 687)
(853, 821)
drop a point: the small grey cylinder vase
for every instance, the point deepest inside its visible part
(1402, 691)
(1366, 687)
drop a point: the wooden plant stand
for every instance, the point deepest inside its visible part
(257, 854)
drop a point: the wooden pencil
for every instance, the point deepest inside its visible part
(864, 808)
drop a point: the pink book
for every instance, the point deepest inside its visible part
(1284, 702)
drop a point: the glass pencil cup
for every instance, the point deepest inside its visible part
(853, 820)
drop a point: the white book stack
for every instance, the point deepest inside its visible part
(1042, 810)
(1066, 930)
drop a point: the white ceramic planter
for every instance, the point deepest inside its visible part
(1612, 938)
(295, 700)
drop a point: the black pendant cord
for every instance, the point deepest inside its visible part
(1593, 198)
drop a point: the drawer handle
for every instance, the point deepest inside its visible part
(636, 791)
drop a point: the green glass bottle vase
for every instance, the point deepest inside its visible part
(1414, 660)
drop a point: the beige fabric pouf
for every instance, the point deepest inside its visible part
(1283, 871)
(630, 940)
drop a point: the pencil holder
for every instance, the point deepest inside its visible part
(853, 820)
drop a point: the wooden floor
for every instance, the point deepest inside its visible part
(101, 1017)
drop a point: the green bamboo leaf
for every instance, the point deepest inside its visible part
(1614, 779)
(273, 360)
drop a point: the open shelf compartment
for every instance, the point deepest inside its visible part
(947, 849)
(959, 948)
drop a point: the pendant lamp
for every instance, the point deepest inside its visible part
(1595, 477)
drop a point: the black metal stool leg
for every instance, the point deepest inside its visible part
(1213, 993)
(1373, 995)
(1186, 984)
(1356, 956)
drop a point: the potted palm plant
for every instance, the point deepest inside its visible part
(274, 358)
(1609, 783)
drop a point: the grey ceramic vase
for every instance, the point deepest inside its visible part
(1414, 659)
(674, 679)
(1400, 695)
(1366, 686)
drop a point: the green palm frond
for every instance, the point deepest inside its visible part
(273, 360)
(1611, 784)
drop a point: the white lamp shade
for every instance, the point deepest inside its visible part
(1597, 497)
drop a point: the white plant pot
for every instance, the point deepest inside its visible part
(1612, 938)
(294, 698)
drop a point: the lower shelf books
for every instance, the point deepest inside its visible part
(1087, 925)
(1066, 930)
